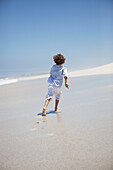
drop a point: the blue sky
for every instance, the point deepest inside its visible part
(32, 31)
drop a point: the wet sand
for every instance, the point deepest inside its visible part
(78, 138)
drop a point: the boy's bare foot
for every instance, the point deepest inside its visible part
(57, 109)
(44, 112)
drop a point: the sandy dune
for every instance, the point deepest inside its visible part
(101, 70)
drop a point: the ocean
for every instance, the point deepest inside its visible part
(13, 76)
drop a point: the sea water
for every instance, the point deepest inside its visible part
(9, 77)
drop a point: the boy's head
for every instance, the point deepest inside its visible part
(59, 59)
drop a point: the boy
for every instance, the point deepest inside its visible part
(55, 82)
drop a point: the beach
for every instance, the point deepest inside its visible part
(42, 39)
(80, 137)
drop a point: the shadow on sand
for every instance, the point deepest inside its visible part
(47, 113)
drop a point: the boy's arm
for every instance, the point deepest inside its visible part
(66, 83)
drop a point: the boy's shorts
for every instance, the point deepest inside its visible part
(53, 91)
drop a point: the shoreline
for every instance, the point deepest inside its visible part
(101, 70)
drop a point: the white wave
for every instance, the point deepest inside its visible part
(7, 81)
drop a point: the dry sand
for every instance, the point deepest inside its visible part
(78, 138)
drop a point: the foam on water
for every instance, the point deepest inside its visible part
(4, 81)
(7, 81)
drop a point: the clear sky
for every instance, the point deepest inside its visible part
(32, 31)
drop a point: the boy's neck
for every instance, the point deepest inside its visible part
(58, 64)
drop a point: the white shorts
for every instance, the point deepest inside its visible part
(53, 91)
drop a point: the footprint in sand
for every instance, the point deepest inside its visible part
(51, 134)
(33, 130)
(41, 119)
(38, 122)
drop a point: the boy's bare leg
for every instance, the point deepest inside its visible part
(56, 106)
(45, 107)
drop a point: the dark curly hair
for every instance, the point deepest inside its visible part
(59, 59)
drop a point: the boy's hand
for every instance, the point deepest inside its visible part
(66, 84)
